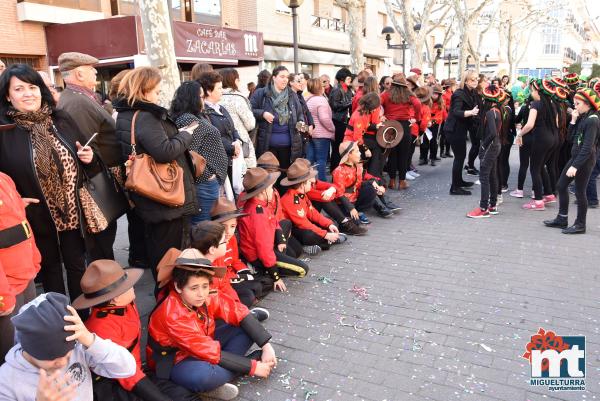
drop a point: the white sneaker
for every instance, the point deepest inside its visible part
(225, 392)
(477, 182)
(409, 177)
(499, 200)
(414, 174)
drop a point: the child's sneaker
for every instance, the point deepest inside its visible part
(363, 218)
(261, 314)
(549, 199)
(478, 213)
(535, 205)
(517, 193)
(499, 200)
(312, 249)
(227, 391)
(493, 210)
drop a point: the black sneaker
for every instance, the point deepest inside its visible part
(422, 162)
(341, 239)
(392, 206)
(351, 228)
(593, 205)
(449, 155)
(472, 171)
(437, 159)
(574, 229)
(443, 155)
(467, 184)
(459, 191)
(261, 314)
(432, 163)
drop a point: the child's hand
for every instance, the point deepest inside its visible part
(279, 285)
(263, 369)
(281, 247)
(332, 237)
(54, 387)
(354, 214)
(268, 354)
(368, 153)
(571, 172)
(80, 332)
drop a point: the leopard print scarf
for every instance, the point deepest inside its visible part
(46, 159)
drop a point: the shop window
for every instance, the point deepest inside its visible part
(33, 61)
(307, 69)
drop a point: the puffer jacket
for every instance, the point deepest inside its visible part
(261, 101)
(157, 135)
(192, 330)
(340, 100)
(321, 112)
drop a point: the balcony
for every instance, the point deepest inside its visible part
(59, 11)
(331, 24)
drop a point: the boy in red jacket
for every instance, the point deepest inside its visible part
(261, 239)
(19, 259)
(310, 227)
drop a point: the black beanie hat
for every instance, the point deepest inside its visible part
(40, 327)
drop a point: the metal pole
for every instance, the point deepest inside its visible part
(404, 56)
(295, 33)
(449, 65)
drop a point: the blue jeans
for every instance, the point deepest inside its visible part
(591, 191)
(201, 376)
(318, 152)
(207, 193)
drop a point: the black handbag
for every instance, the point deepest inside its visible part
(102, 200)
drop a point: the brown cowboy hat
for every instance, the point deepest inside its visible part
(423, 93)
(224, 210)
(256, 180)
(188, 259)
(389, 134)
(413, 79)
(269, 162)
(299, 172)
(437, 89)
(399, 80)
(345, 148)
(448, 82)
(103, 280)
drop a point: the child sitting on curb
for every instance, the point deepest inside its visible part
(55, 352)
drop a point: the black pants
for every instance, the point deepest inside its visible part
(399, 158)
(293, 247)
(7, 331)
(541, 150)
(377, 160)
(309, 237)
(444, 146)
(474, 151)
(340, 129)
(332, 209)
(284, 156)
(287, 265)
(429, 147)
(248, 291)
(411, 153)
(138, 255)
(581, 181)
(488, 176)
(524, 157)
(102, 243)
(71, 251)
(366, 198)
(110, 390)
(504, 164)
(459, 148)
(552, 167)
(164, 235)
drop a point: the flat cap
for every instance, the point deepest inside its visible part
(71, 60)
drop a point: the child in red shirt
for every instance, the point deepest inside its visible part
(365, 118)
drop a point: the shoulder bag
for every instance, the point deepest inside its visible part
(160, 182)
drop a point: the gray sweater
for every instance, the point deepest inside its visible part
(19, 379)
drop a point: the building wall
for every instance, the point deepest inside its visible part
(20, 38)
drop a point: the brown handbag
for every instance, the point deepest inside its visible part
(160, 182)
(199, 163)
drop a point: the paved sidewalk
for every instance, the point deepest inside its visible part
(444, 308)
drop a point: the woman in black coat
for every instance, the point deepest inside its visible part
(40, 149)
(277, 110)
(340, 100)
(462, 118)
(157, 135)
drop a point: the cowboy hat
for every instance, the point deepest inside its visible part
(423, 93)
(414, 80)
(104, 280)
(437, 89)
(256, 180)
(189, 259)
(399, 80)
(389, 134)
(298, 172)
(269, 162)
(345, 148)
(224, 210)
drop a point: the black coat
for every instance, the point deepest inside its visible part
(157, 135)
(584, 136)
(261, 101)
(16, 160)
(457, 125)
(340, 102)
(308, 118)
(224, 124)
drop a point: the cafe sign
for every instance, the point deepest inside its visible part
(207, 41)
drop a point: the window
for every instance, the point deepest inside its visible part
(207, 11)
(33, 62)
(551, 38)
(280, 7)
(307, 69)
(383, 21)
(87, 5)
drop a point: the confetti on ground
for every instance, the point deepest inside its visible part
(325, 279)
(309, 394)
(357, 327)
(487, 348)
(360, 292)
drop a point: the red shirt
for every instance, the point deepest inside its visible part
(19, 263)
(422, 121)
(400, 111)
(257, 232)
(438, 114)
(298, 208)
(359, 124)
(447, 96)
(356, 98)
(348, 179)
(316, 191)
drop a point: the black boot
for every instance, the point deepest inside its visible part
(381, 209)
(576, 228)
(422, 162)
(459, 191)
(432, 162)
(389, 204)
(448, 154)
(558, 222)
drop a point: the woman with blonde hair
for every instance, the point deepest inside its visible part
(462, 118)
(156, 135)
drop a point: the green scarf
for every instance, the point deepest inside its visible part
(280, 104)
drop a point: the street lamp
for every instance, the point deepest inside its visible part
(438, 54)
(294, 4)
(387, 31)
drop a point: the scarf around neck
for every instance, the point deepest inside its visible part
(280, 104)
(46, 159)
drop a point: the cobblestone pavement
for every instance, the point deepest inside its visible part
(448, 308)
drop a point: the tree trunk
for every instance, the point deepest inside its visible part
(356, 38)
(158, 36)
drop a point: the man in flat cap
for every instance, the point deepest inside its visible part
(79, 101)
